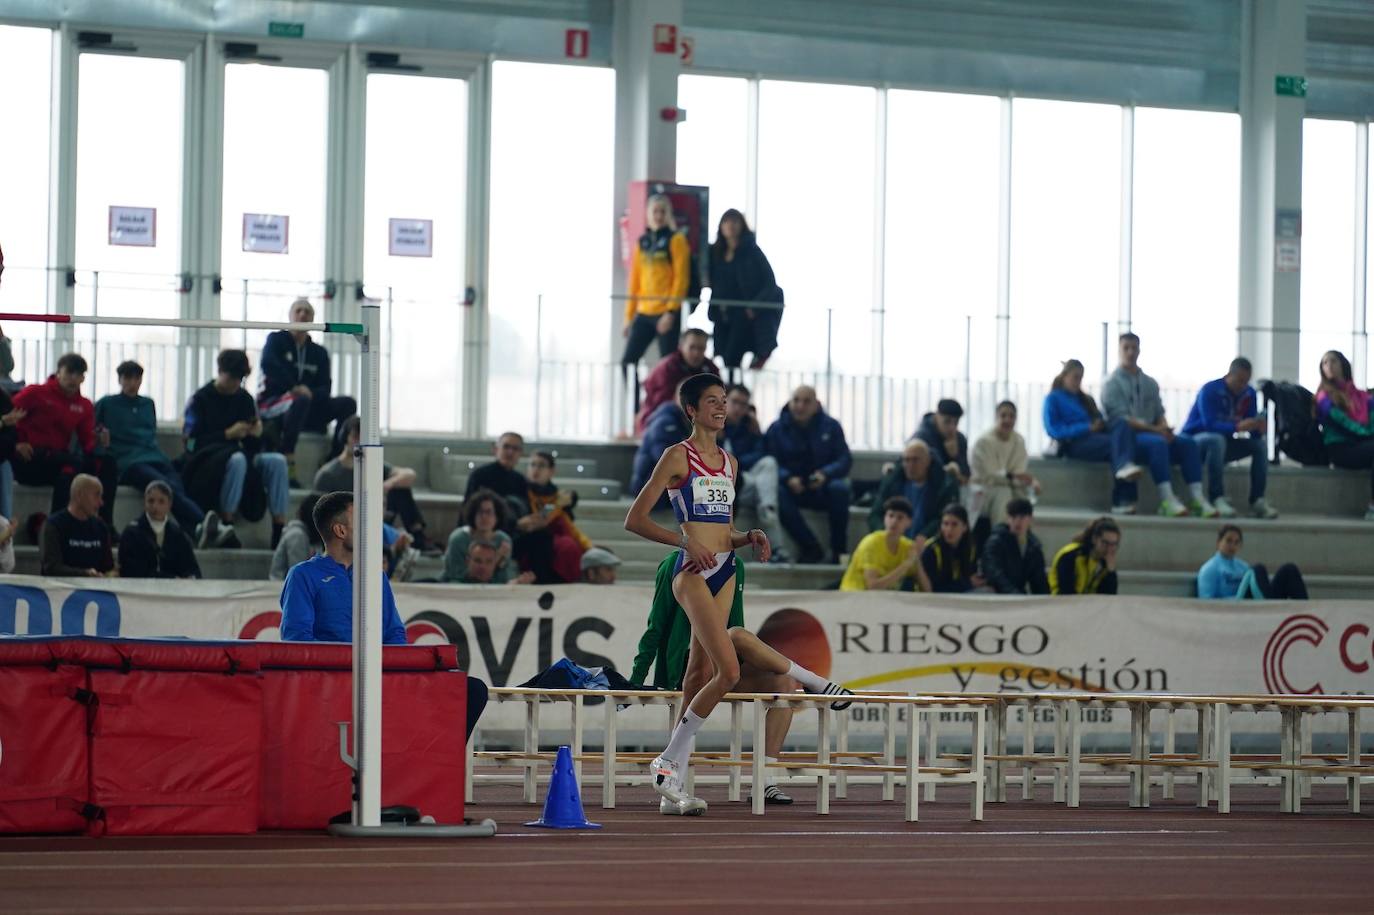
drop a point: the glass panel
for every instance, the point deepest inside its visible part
(128, 172)
(25, 62)
(713, 143)
(275, 164)
(1329, 210)
(1065, 235)
(816, 196)
(1185, 267)
(552, 160)
(417, 174)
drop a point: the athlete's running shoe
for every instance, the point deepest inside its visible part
(691, 807)
(772, 794)
(834, 689)
(669, 780)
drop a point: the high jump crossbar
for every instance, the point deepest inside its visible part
(364, 751)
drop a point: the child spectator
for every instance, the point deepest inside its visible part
(1087, 563)
(154, 545)
(884, 560)
(555, 507)
(1228, 577)
(949, 561)
(1013, 560)
(1347, 421)
(948, 446)
(299, 540)
(1081, 433)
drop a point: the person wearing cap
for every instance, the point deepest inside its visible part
(948, 446)
(599, 566)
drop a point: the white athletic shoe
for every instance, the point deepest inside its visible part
(1224, 507)
(689, 807)
(1130, 471)
(1172, 508)
(1261, 508)
(670, 780)
(1123, 509)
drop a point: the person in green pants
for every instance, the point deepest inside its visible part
(666, 646)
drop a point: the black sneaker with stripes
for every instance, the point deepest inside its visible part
(772, 794)
(834, 689)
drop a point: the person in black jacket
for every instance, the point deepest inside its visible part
(296, 387)
(949, 561)
(154, 545)
(1013, 560)
(923, 483)
(948, 446)
(740, 275)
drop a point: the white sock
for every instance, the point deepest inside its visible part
(812, 683)
(680, 744)
(1166, 492)
(1195, 490)
(768, 777)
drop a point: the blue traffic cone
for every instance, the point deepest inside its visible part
(563, 805)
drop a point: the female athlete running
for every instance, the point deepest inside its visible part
(700, 480)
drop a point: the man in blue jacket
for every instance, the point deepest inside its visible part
(813, 466)
(1224, 408)
(758, 470)
(317, 596)
(665, 427)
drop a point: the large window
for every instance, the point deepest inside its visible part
(942, 217)
(552, 160)
(25, 61)
(713, 143)
(1329, 210)
(1065, 234)
(128, 213)
(275, 167)
(414, 242)
(816, 219)
(1185, 263)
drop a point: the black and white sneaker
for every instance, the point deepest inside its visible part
(834, 689)
(772, 794)
(207, 532)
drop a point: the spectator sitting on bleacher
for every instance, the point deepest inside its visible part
(500, 475)
(758, 470)
(484, 520)
(131, 420)
(1223, 409)
(948, 446)
(813, 465)
(1347, 420)
(7, 530)
(923, 483)
(949, 561)
(555, 507)
(599, 566)
(1081, 433)
(225, 464)
(1129, 394)
(57, 436)
(299, 540)
(1087, 563)
(660, 386)
(884, 560)
(75, 540)
(9, 437)
(1013, 560)
(397, 483)
(481, 564)
(154, 545)
(296, 386)
(1001, 466)
(666, 427)
(1228, 577)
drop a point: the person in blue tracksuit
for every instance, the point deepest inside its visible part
(1072, 419)
(813, 468)
(317, 596)
(1224, 411)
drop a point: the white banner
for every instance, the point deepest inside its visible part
(872, 641)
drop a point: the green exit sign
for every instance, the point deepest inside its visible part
(1296, 86)
(286, 29)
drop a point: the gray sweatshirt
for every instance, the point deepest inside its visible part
(294, 547)
(1129, 395)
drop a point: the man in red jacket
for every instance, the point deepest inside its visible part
(673, 369)
(57, 437)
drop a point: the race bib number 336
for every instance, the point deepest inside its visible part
(713, 495)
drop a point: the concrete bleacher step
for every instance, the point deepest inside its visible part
(450, 472)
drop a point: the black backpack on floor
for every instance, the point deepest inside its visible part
(1295, 422)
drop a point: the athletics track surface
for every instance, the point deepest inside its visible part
(1025, 857)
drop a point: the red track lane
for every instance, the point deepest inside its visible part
(1036, 855)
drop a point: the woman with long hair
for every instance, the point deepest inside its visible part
(1346, 419)
(740, 276)
(699, 478)
(660, 272)
(1087, 563)
(1082, 433)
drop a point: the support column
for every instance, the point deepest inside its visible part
(645, 143)
(62, 189)
(1273, 45)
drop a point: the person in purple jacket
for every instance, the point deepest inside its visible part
(1223, 413)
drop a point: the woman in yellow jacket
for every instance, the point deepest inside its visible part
(659, 275)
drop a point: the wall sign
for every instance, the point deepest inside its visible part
(1287, 241)
(133, 226)
(410, 237)
(266, 233)
(665, 38)
(576, 42)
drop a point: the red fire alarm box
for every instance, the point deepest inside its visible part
(576, 42)
(691, 212)
(665, 38)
